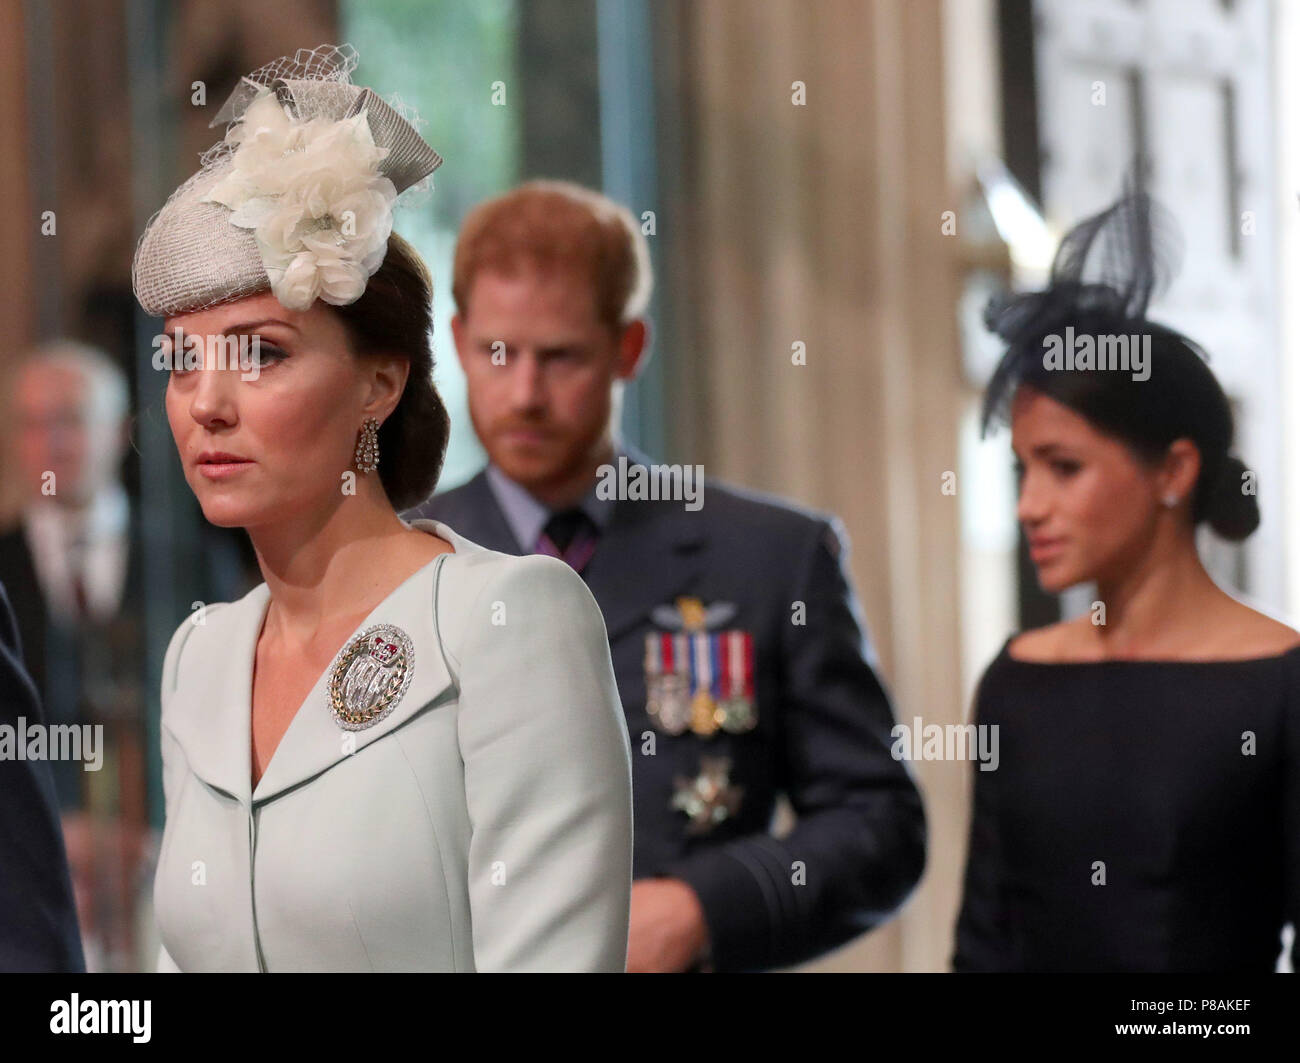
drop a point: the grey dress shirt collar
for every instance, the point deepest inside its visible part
(527, 516)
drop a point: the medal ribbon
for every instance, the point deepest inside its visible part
(702, 680)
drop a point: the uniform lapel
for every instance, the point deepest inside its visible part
(647, 555)
(217, 740)
(473, 511)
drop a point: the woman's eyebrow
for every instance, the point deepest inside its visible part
(255, 324)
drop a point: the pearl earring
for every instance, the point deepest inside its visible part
(1170, 501)
(367, 453)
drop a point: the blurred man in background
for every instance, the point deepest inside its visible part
(73, 571)
(741, 661)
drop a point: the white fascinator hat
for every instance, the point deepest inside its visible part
(297, 199)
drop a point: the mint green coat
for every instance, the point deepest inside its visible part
(484, 824)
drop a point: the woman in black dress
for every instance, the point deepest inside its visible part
(1145, 813)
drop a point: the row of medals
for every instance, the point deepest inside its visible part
(675, 709)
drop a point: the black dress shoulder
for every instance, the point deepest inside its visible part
(1143, 816)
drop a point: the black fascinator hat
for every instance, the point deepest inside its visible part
(1105, 274)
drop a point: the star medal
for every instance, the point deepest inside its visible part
(709, 798)
(369, 676)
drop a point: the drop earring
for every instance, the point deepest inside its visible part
(367, 453)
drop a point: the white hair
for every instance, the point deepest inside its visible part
(106, 382)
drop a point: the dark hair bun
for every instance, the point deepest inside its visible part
(1103, 277)
(395, 314)
(1229, 506)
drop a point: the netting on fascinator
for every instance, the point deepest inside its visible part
(1105, 274)
(297, 198)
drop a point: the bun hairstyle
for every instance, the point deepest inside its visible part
(1105, 273)
(395, 315)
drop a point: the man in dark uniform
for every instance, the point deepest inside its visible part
(736, 638)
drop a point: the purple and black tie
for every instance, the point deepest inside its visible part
(571, 536)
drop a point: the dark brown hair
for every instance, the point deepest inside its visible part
(1104, 275)
(395, 316)
(1181, 399)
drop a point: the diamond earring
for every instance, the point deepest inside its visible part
(1170, 501)
(367, 453)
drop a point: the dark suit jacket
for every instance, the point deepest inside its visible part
(108, 656)
(824, 720)
(18, 574)
(64, 661)
(38, 923)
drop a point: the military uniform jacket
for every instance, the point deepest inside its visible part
(483, 824)
(778, 608)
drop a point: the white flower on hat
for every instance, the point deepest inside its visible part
(313, 195)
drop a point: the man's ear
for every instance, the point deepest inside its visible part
(633, 348)
(387, 381)
(460, 337)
